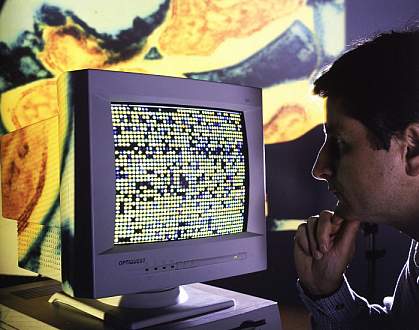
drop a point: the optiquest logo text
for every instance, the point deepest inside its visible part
(131, 261)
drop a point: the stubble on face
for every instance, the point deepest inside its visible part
(365, 180)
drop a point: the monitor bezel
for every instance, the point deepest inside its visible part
(104, 88)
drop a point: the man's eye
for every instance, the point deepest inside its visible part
(338, 145)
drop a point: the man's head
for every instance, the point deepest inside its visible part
(370, 157)
(378, 83)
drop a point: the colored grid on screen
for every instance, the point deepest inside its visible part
(180, 173)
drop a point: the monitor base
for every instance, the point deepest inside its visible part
(189, 302)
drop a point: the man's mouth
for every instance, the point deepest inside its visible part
(336, 192)
(333, 190)
(342, 208)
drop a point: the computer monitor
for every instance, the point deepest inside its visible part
(161, 182)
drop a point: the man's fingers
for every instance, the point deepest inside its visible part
(312, 237)
(300, 239)
(327, 227)
(337, 222)
(321, 233)
(348, 234)
(324, 231)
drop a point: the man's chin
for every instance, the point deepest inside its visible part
(344, 211)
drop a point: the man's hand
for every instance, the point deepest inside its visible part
(323, 248)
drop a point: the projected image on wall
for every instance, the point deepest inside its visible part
(275, 45)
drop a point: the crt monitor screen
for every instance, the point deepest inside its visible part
(180, 172)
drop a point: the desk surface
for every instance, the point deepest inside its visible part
(37, 313)
(26, 307)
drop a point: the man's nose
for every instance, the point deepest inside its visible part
(322, 169)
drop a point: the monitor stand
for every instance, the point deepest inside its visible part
(140, 310)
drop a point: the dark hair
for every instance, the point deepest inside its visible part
(378, 83)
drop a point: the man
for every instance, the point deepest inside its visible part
(370, 160)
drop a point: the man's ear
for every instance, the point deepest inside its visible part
(412, 154)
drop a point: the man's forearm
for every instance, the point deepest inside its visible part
(344, 310)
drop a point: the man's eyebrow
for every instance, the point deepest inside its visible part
(329, 129)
